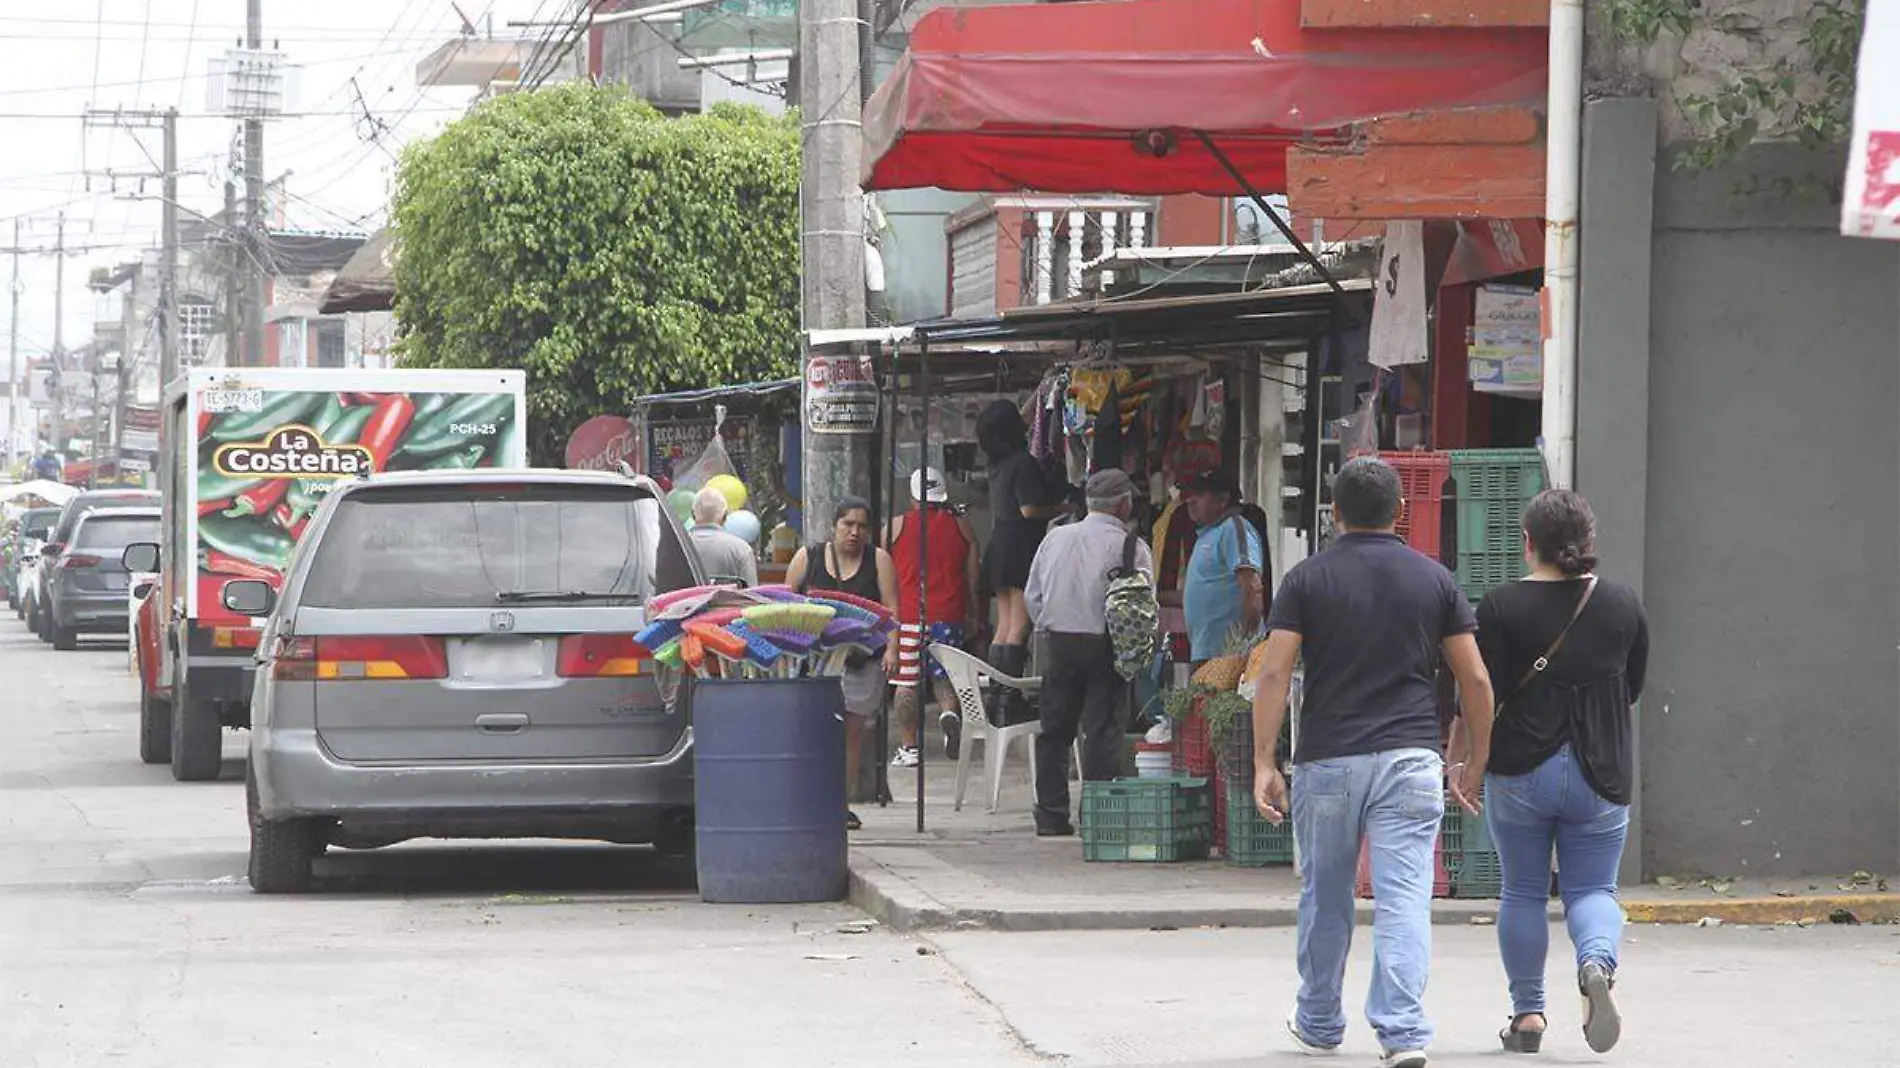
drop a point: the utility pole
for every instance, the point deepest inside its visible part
(56, 384)
(14, 407)
(168, 264)
(832, 220)
(254, 198)
(129, 317)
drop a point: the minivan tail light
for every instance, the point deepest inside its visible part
(585, 656)
(360, 659)
(75, 561)
(235, 637)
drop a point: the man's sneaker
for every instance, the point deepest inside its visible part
(952, 732)
(1306, 1045)
(906, 757)
(1411, 1058)
(1602, 1024)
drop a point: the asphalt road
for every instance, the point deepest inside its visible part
(129, 938)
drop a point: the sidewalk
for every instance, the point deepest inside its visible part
(975, 870)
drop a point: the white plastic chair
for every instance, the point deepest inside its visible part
(967, 677)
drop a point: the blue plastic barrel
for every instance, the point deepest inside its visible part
(769, 790)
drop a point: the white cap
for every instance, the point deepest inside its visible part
(932, 476)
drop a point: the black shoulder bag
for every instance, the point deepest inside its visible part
(1538, 665)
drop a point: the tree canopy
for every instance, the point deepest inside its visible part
(610, 252)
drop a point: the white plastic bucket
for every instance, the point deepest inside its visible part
(1153, 763)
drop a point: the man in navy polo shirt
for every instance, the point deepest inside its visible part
(1370, 616)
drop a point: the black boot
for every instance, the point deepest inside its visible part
(1008, 706)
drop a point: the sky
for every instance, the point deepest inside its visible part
(59, 58)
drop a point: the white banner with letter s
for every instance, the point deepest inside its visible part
(1870, 206)
(1398, 300)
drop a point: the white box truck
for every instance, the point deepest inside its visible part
(245, 457)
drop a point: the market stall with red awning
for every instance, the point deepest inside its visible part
(1116, 94)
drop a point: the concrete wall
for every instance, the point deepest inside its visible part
(1760, 509)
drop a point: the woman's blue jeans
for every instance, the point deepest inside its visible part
(1554, 807)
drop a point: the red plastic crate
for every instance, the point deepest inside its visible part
(1422, 479)
(1193, 747)
(1441, 879)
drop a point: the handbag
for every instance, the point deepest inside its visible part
(1538, 665)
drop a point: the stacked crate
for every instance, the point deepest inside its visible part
(1492, 488)
(1471, 857)
(1425, 480)
(1151, 820)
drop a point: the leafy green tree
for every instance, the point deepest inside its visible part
(610, 252)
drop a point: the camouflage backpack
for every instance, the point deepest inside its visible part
(1133, 615)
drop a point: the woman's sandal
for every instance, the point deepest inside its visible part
(1520, 1041)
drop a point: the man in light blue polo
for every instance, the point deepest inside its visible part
(1220, 590)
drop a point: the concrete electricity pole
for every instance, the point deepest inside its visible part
(14, 385)
(254, 199)
(832, 223)
(55, 384)
(168, 264)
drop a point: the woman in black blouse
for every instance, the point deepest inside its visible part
(1567, 652)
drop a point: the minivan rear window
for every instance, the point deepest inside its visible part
(474, 546)
(116, 532)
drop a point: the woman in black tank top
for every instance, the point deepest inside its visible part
(849, 563)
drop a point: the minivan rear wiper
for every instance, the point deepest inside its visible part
(521, 596)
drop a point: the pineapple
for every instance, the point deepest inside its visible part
(1221, 674)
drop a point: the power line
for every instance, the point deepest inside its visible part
(68, 116)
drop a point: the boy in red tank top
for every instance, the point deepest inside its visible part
(952, 566)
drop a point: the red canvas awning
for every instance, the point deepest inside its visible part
(1056, 97)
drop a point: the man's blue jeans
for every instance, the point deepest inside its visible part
(1529, 814)
(1394, 801)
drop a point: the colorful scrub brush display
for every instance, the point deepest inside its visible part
(767, 632)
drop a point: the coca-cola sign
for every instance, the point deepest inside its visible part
(603, 443)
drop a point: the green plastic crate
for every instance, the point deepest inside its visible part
(1151, 820)
(1492, 486)
(1252, 842)
(1480, 573)
(1471, 857)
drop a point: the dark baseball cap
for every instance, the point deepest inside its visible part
(1215, 481)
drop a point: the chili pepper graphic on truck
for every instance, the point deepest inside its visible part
(269, 444)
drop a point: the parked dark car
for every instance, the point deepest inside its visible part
(69, 517)
(88, 582)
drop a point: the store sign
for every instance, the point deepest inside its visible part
(675, 446)
(141, 430)
(1398, 299)
(602, 444)
(1507, 349)
(840, 395)
(1870, 206)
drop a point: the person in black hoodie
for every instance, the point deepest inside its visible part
(1021, 505)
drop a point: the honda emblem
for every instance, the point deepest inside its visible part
(502, 622)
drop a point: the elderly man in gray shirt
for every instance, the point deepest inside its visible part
(723, 556)
(1066, 593)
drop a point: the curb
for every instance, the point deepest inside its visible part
(1818, 908)
(899, 905)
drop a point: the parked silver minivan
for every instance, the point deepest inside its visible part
(452, 657)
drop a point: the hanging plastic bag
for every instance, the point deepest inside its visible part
(712, 462)
(1359, 432)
